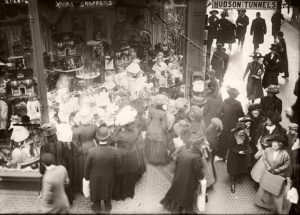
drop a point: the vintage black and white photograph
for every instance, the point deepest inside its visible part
(149, 106)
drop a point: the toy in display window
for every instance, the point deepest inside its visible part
(21, 83)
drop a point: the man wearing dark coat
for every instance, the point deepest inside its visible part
(101, 164)
(272, 62)
(281, 49)
(271, 103)
(241, 27)
(213, 29)
(258, 30)
(219, 62)
(276, 23)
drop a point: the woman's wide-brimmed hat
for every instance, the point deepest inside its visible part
(273, 47)
(282, 138)
(102, 133)
(47, 159)
(64, 132)
(253, 107)
(124, 97)
(196, 113)
(293, 126)
(239, 126)
(160, 99)
(179, 126)
(19, 134)
(256, 55)
(274, 89)
(233, 92)
(214, 11)
(245, 119)
(126, 116)
(85, 114)
(181, 103)
(274, 117)
(48, 129)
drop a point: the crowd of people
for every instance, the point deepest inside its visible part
(105, 159)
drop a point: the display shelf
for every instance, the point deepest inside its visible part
(68, 71)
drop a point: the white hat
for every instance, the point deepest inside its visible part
(198, 86)
(126, 115)
(19, 134)
(64, 132)
(133, 68)
(85, 114)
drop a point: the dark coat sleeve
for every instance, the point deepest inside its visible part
(264, 27)
(197, 167)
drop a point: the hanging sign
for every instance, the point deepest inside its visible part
(82, 4)
(16, 1)
(244, 5)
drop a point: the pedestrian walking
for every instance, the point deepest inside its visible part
(276, 19)
(53, 197)
(231, 112)
(272, 62)
(270, 102)
(156, 136)
(213, 29)
(181, 196)
(256, 70)
(277, 161)
(258, 30)
(237, 159)
(226, 30)
(100, 167)
(241, 27)
(282, 51)
(219, 62)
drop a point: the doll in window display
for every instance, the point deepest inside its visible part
(160, 69)
(33, 108)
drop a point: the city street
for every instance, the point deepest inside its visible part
(157, 180)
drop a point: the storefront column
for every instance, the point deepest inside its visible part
(195, 32)
(38, 60)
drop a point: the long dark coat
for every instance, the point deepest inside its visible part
(188, 172)
(273, 104)
(282, 51)
(101, 164)
(272, 66)
(256, 128)
(219, 62)
(276, 23)
(231, 112)
(254, 87)
(213, 28)
(258, 30)
(212, 108)
(241, 30)
(226, 31)
(236, 163)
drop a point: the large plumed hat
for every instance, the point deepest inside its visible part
(293, 126)
(48, 129)
(245, 119)
(126, 116)
(274, 89)
(64, 132)
(233, 92)
(273, 117)
(239, 126)
(280, 137)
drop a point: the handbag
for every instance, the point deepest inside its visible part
(201, 197)
(272, 183)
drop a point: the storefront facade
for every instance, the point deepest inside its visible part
(72, 50)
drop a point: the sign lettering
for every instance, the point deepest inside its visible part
(82, 4)
(245, 5)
